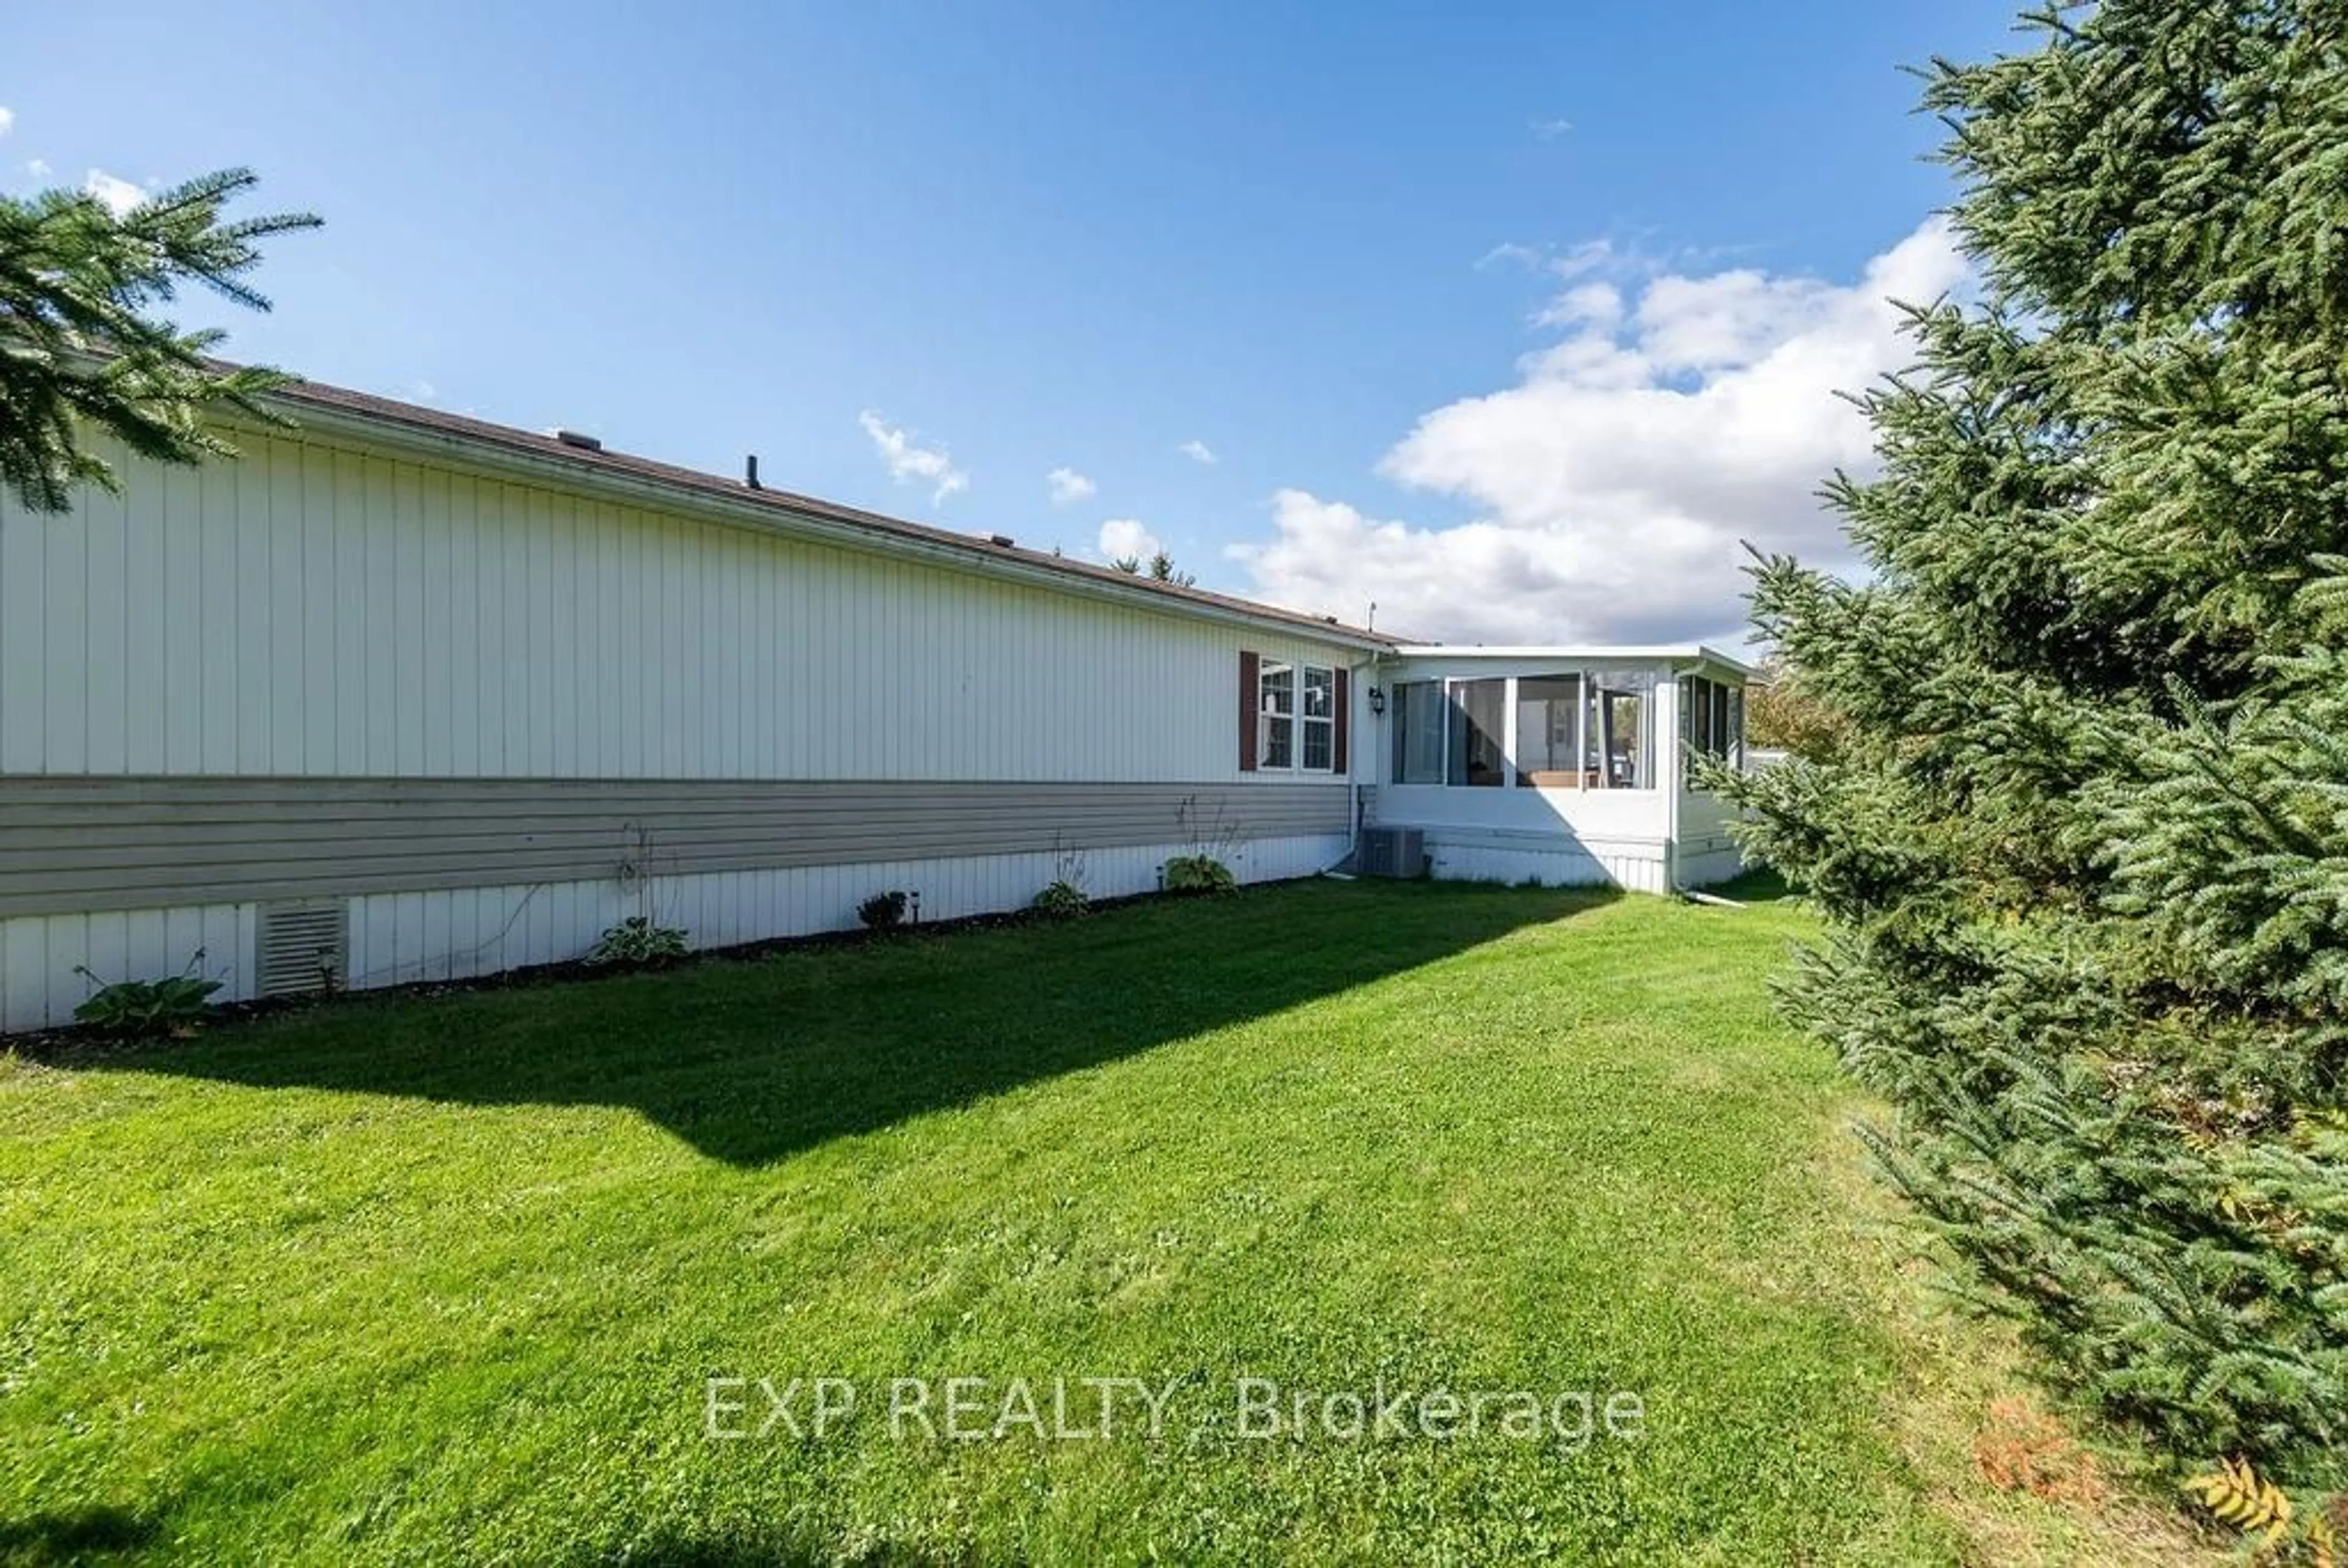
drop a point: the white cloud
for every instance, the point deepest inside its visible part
(1598, 306)
(1550, 129)
(1613, 482)
(7, 120)
(119, 196)
(39, 168)
(1509, 251)
(907, 461)
(1123, 536)
(1198, 452)
(1067, 485)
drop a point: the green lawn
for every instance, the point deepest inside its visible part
(446, 1278)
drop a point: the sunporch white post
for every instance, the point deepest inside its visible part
(1581, 729)
(1509, 733)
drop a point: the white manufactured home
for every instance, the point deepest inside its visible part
(399, 697)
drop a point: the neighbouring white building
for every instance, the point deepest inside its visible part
(398, 696)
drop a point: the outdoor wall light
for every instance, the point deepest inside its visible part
(1377, 702)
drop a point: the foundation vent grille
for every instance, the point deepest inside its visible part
(304, 949)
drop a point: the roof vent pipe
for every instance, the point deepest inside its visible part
(751, 471)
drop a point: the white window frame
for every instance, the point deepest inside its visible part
(1269, 721)
(1305, 720)
(1593, 684)
(1643, 684)
(1721, 736)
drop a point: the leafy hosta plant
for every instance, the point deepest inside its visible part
(145, 1010)
(1062, 897)
(1199, 874)
(636, 942)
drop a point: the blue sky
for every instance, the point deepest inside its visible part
(1512, 318)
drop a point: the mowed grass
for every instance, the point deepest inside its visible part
(444, 1278)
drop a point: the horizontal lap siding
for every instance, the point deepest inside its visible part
(70, 845)
(454, 700)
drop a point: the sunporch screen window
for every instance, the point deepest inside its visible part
(1418, 718)
(1479, 709)
(1320, 719)
(1715, 725)
(1617, 748)
(1548, 708)
(1275, 741)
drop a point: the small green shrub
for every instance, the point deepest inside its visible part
(636, 942)
(148, 1008)
(1062, 897)
(883, 911)
(1199, 874)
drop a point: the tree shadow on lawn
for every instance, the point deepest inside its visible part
(756, 1548)
(755, 1060)
(75, 1535)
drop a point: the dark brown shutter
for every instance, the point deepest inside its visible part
(1341, 697)
(1247, 667)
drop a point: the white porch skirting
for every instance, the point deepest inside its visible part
(445, 934)
(1568, 860)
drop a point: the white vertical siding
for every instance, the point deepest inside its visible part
(397, 938)
(322, 611)
(39, 955)
(1637, 868)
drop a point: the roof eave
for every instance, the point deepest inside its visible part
(519, 454)
(1672, 653)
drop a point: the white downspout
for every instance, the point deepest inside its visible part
(1358, 694)
(1675, 731)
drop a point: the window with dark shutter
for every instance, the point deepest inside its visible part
(1248, 669)
(1345, 722)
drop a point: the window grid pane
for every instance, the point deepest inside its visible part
(1276, 717)
(1319, 693)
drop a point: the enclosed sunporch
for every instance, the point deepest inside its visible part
(1559, 765)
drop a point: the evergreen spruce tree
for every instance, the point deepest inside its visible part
(1163, 569)
(2083, 842)
(80, 349)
